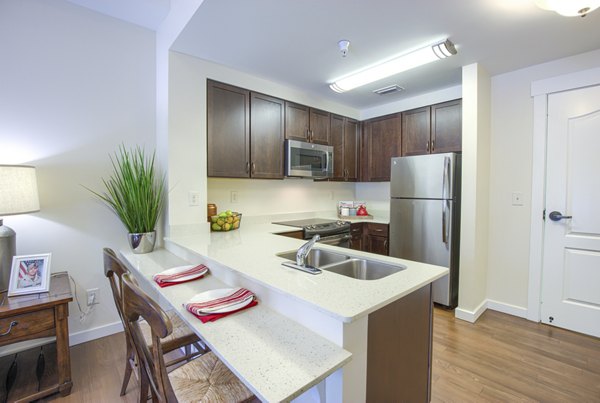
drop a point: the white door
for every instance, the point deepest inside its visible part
(571, 265)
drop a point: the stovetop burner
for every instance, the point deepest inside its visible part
(321, 226)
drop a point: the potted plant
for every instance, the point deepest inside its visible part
(135, 193)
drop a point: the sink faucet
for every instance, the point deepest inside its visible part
(305, 249)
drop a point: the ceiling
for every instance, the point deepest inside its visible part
(295, 42)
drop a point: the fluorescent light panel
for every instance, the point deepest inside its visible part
(408, 61)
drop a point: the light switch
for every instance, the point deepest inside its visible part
(517, 199)
(233, 196)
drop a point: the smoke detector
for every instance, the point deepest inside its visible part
(344, 44)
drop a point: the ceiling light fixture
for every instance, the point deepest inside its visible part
(419, 57)
(569, 8)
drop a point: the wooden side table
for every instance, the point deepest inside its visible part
(28, 317)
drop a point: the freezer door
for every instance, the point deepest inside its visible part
(424, 176)
(420, 230)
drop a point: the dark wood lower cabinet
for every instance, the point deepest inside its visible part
(375, 238)
(399, 350)
(356, 232)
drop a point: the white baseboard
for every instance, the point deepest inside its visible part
(472, 316)
(95, 333)
(507, 308)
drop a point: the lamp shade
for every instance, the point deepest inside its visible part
(18, 190)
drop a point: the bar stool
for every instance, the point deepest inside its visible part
(182, 335)
(204, 379)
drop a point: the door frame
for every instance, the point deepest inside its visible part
(540, 90)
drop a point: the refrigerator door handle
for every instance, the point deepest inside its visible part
(445, 223)
(446, 178)
(445, 192)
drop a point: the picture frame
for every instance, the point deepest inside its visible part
(29, 274)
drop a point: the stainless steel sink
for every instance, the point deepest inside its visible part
(350, 266)
(316, 257)
(363, 269)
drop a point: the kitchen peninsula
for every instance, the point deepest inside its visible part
(329, 323)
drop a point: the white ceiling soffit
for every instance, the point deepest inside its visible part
(146, 13)
(296, 42)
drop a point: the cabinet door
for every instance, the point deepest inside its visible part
(337, 141)
(381, 142)
(319, 126)
(351, 149)
(446, 127)
(416, 131)
(266, 134)
(296, 121)
(228, 131)
(377, 238)
(356, 232)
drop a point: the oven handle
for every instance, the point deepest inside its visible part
(335, 239)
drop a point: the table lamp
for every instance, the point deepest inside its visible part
(18, 195)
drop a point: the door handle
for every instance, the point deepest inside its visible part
(557, 216)
(427, 146)
(247, 167)
(253, 168)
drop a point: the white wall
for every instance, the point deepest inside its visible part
(510, 171)
(475, 192)
(74, 85)
(187, 147)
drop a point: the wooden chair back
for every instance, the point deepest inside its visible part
(138, 304)
(114, 270)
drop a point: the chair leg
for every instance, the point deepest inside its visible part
(128, 369)
(144, 386)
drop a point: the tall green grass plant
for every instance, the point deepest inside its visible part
(134, 191)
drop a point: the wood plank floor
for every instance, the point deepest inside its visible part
(500, 358)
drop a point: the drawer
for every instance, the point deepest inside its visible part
(377, 229)
(356, 229)
(27, 327)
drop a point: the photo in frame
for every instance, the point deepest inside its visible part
(29, 274)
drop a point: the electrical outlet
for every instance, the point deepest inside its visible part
(234, 196)
(92, 296)
(194, 198)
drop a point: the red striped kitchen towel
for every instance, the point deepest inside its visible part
(180, 274)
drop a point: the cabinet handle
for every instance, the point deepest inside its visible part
(378, 230)
(432, 145)
(385, 244)
(312, 136)
(427, 146)
(307, 135)
(253, 168)
(247, 167)
(12, 324)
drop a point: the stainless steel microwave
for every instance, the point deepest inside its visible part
(308, 160)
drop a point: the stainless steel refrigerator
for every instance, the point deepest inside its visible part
(425, 216)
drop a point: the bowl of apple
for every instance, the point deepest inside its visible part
(225, 221)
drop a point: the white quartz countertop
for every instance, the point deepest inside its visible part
(277, 358)
(251, 252)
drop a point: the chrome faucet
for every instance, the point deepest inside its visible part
(304, 250)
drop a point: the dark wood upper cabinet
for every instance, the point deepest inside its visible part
(344, 139)
(416, 131)
(306, 124)
(228, 130)
(446, 127)
(319, 126)
(266, 136)
(244, 133)
(382, 140)
(432, 129)
(351, 142)
(297, 120)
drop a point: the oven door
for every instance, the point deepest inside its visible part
(341, 240)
